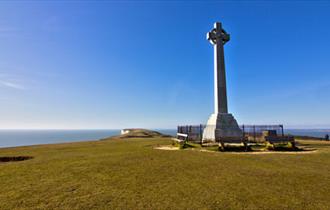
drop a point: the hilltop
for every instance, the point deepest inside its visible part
(132, 174)
(138, 133)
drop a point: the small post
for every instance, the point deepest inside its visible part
(243, 128)
(243, 138)
(254, 132)
(200, 133)
(245, 145)
(282, 130)
(190, 131)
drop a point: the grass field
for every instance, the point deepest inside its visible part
(130, 174)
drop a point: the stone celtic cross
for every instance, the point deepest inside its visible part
(221, 124)
(218, 37)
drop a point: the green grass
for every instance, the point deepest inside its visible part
(130, 174)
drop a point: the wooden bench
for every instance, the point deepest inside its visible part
(182, 136)
(279, 139)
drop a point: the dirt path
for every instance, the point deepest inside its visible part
(166, 148)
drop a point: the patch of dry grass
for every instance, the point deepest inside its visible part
(130, 174)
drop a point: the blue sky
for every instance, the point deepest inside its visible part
(148, 64)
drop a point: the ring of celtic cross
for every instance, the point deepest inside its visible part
(215, 35)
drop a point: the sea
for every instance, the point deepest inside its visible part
(14, 138)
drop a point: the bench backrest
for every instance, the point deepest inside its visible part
(182, 135)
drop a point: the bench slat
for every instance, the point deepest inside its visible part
(182, 134)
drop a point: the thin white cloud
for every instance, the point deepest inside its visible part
(12, 85)
(11, 81)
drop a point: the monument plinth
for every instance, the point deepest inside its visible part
(220, 123)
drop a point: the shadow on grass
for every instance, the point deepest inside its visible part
(188, 145)
(235, 149)
(15, 158)
(295, 149)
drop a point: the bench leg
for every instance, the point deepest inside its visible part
(246, 146)
(222, 146)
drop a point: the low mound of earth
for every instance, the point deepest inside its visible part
(139, 133)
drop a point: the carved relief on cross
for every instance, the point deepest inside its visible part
(217, 34)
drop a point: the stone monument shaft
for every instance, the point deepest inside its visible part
(218, 37)
(221, 124)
